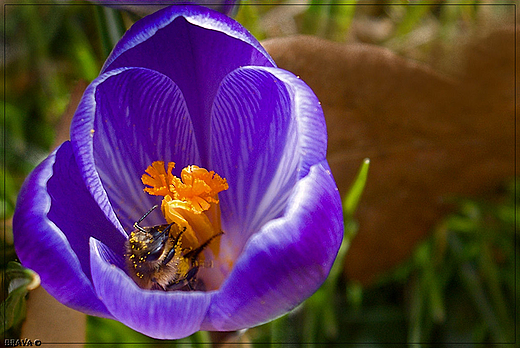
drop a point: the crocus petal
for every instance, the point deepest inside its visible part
(286, 261)
(165, 315)
(267, 130)
(194, 46)
(51, 230)
(127, 119)
(311, 126)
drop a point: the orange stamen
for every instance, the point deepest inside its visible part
(158, 178)
(197, 187)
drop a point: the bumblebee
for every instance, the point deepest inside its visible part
(156, 260)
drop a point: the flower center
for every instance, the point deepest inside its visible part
(190, 201)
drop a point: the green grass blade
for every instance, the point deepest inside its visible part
(351, 201)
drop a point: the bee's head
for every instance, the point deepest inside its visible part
(148, 244)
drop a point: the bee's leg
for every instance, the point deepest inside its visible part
(191, 273)
(176, 241)
(194, 283)
(178, 238)
(177, 285)
(186, 281)
(195, 252)
(156, 285)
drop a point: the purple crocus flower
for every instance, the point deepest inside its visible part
(191, 86)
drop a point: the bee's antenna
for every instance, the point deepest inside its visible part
(136, 225)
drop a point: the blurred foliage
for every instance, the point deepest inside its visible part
(12, 310)
(460, 283)
(429, 31)
(47, 49)
(458, 287)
